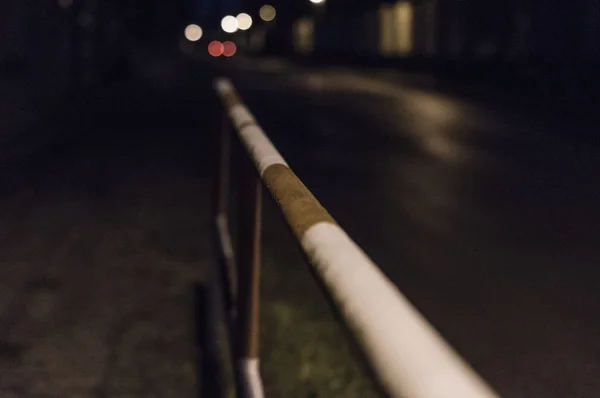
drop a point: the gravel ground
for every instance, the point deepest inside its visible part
(103, 235)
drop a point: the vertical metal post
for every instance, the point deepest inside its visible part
(247, 325)
(222, 183)
(227, 272)
(220, 295)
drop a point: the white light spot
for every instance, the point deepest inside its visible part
(229, 24)
(244, 21)
(193, 32)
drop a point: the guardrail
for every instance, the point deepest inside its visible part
(407, 355)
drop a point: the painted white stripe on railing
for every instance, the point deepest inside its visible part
(410, 358)
(260, 148)
(250, 373)
(224, 86)
(241, 116)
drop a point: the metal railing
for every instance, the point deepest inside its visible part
(407, 355)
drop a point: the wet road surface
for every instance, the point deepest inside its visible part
(487, 218)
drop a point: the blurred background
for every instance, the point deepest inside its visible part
(455, 140)
(550, 46)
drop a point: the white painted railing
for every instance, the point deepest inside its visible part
(407, 355)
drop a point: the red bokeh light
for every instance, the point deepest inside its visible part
(216, 48)
(229, 49)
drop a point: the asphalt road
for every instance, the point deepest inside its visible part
(485, 214)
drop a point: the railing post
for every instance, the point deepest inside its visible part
(228, 271)
(224, 162)
(247, 327)
(214, 379)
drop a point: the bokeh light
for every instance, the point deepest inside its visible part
(317, 1)
(229, 24)
(244, 21)
(267, 13)
(65, 3)
(229, 48)
(193, 32)
(216, 48)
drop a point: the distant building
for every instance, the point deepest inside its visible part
(507, 30)
(400, 29)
